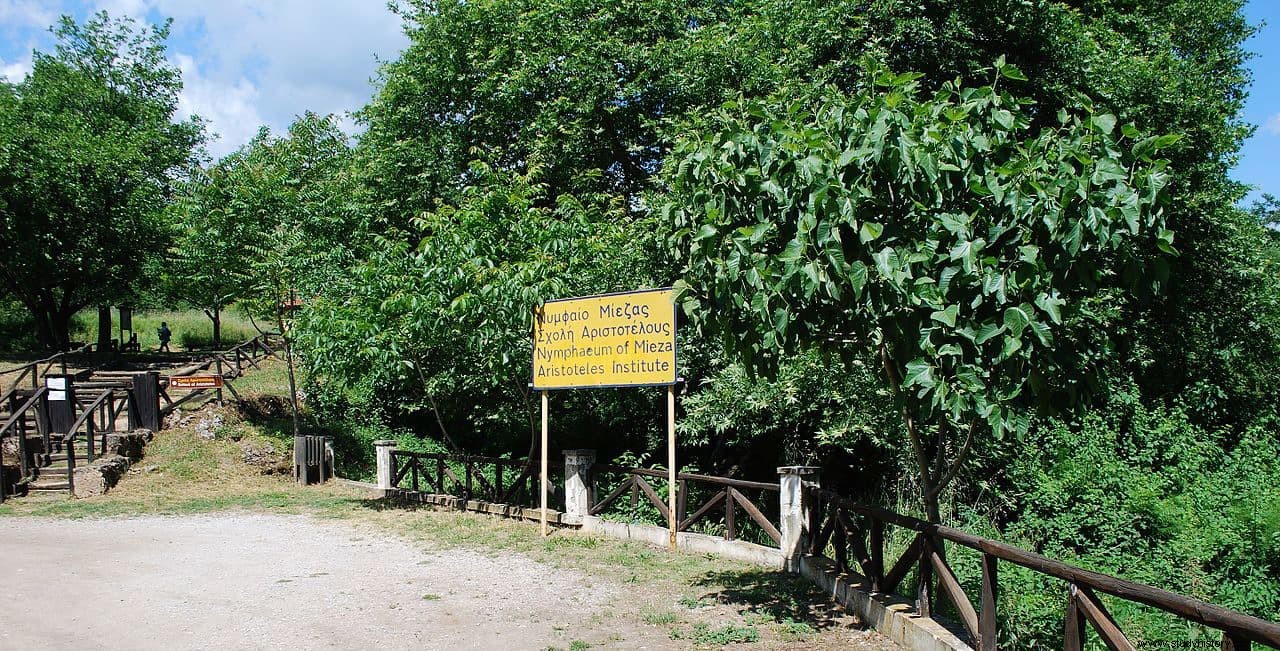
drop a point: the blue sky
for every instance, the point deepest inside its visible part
(251, 62)
(244, 63)
(1260, 158)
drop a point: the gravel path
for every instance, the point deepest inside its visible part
(246, 581)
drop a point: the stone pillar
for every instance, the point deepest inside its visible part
(577, 485)
(793, 512)
(386, 471)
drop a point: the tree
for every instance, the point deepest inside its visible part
(445, 324)
(206, 265)
(90, 153)
(939, 231)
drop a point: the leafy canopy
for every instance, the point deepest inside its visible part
(89, 152)
(933, 228)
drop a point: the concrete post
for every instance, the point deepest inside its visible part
(793, 512)
(386, 473)
(577, 485)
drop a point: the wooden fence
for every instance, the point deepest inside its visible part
(34, 372)
(95, 417)
(717, 498)
(229, 365)
(848, 527)
(847, 530)
(488, 479)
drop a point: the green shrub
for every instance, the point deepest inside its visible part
(1144, 494)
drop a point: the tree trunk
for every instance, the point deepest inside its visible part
(928, 491)
(218, 328)
(104, 328)
(44, 329)
(60, 320)
(215, 315)
(293, 385)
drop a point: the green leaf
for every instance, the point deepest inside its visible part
(793, 252)
(1012, 72)
(857, 277)
(707, 231)
(1105, 122)
(919, 373)
(1011, 346)
(986, 332)
(1050, 305)
(870, 232)
(947, 316)
(1016, 319)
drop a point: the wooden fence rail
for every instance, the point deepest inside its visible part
(33, 371)
(229, 364)
(726, 497)
(858, 529)
(490, 479)
(855, 533)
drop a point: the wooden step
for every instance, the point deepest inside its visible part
(48, 486)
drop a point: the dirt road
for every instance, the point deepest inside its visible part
(245, 581)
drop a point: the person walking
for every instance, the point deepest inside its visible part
(164, 334)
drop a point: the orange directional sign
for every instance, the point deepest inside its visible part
(195, 382)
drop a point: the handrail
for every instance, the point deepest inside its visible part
(87, 413)
(52, 358)
(17, 414)
(662, 474)
(1232, 622)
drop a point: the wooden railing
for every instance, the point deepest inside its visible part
(33, 371)
(16, 425)
(230, 364)
(725, 497)
(488, 479)
(848, 527)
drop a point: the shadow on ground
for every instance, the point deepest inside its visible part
(779, 596)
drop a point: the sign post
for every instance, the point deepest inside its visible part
(542, 476)
(612, 340)
(671, 463)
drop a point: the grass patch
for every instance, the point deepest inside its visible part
(659, 618)
(191, 328)
(702, 634)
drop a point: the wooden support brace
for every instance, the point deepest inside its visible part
(951, 588)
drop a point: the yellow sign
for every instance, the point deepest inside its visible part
(613, 340)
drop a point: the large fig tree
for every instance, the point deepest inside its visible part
(936, 231)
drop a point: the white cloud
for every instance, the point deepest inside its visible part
(269, 62)
(18, 14)
(248, 63)
(230, 108)
(1272, 125)
(16, 71)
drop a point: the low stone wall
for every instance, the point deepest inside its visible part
(692, 542)
(120, 450)
(478, 506)
(891, 616)
(100, 476)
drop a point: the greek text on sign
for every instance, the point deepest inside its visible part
(195, 382)
(613, 340)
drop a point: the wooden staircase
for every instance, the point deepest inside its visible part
(45, 468)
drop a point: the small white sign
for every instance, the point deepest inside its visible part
(56, 384)
(58, 395)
